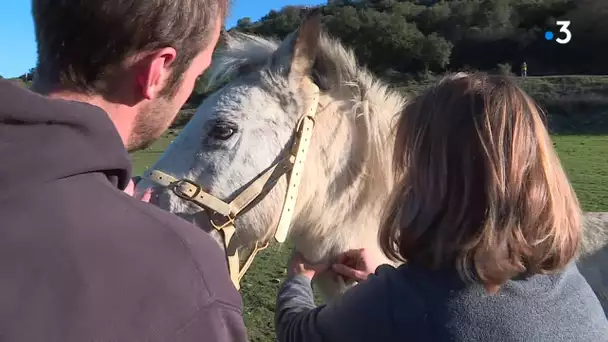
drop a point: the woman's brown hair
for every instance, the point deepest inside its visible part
(479, 186)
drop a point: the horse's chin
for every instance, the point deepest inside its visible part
(201, 221)
(166, 201)
(332, 286)
(162, 199)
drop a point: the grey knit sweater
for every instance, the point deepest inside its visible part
(413, 304)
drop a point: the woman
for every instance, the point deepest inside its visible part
(489, 226)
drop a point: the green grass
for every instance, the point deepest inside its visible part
(259, 288)
(144, 159)
(585, 159)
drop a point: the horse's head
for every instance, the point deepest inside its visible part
(250, 122)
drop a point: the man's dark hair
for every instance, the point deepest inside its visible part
(82, 44)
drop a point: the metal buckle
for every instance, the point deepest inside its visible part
(183, 195)
(300, 123)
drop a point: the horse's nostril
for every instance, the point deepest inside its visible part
(155, 196)
(136, 179)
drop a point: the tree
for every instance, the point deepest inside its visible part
(244, 23)
(435, 52)
(28, 76)
(413, 36)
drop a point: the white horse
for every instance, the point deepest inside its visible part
(248, 125)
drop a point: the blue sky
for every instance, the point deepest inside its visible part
(18, 45)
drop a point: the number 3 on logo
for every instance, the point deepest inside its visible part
(564, 28)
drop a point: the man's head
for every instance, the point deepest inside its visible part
(139, 59)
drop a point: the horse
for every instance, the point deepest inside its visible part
(267, 90)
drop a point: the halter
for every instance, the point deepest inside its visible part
(291, 166)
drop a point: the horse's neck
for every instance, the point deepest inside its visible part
(343, 208)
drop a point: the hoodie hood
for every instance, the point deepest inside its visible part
(43, 139)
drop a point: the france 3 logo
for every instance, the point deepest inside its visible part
(563, 29)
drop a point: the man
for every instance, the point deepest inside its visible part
(80, 260)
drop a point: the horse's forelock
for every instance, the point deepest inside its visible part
(238, 51)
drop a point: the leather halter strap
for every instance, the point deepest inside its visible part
(292, 165)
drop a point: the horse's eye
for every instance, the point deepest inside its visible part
(222, 131)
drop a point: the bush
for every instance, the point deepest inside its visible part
(504, 69)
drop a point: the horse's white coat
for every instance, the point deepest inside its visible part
(348, 172)
(347, 175)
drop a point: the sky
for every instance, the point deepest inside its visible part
(17, 39)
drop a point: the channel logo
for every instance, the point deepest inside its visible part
(563, 28)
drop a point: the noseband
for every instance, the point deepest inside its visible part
(291, 166)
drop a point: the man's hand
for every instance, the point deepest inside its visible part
(130, 190)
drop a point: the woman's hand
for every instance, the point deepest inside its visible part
(356, 264)
(299, 265)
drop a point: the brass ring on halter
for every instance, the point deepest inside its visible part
(263, 247)
(229, 221)
(301, 121)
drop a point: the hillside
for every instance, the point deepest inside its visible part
(417, 37)
(574, 104)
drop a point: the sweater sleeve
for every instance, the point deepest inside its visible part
(360, 314)
(296, 311)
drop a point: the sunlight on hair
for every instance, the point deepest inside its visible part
(479, 186)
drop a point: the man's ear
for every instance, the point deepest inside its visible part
(153, 72)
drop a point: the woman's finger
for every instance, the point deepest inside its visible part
(353, 253)
(348, 272)
(349, 255)
(342, 258)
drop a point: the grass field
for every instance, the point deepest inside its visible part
(584, 156)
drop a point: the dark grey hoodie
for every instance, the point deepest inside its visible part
(82, 261)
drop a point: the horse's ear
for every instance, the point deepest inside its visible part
(305, 47)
